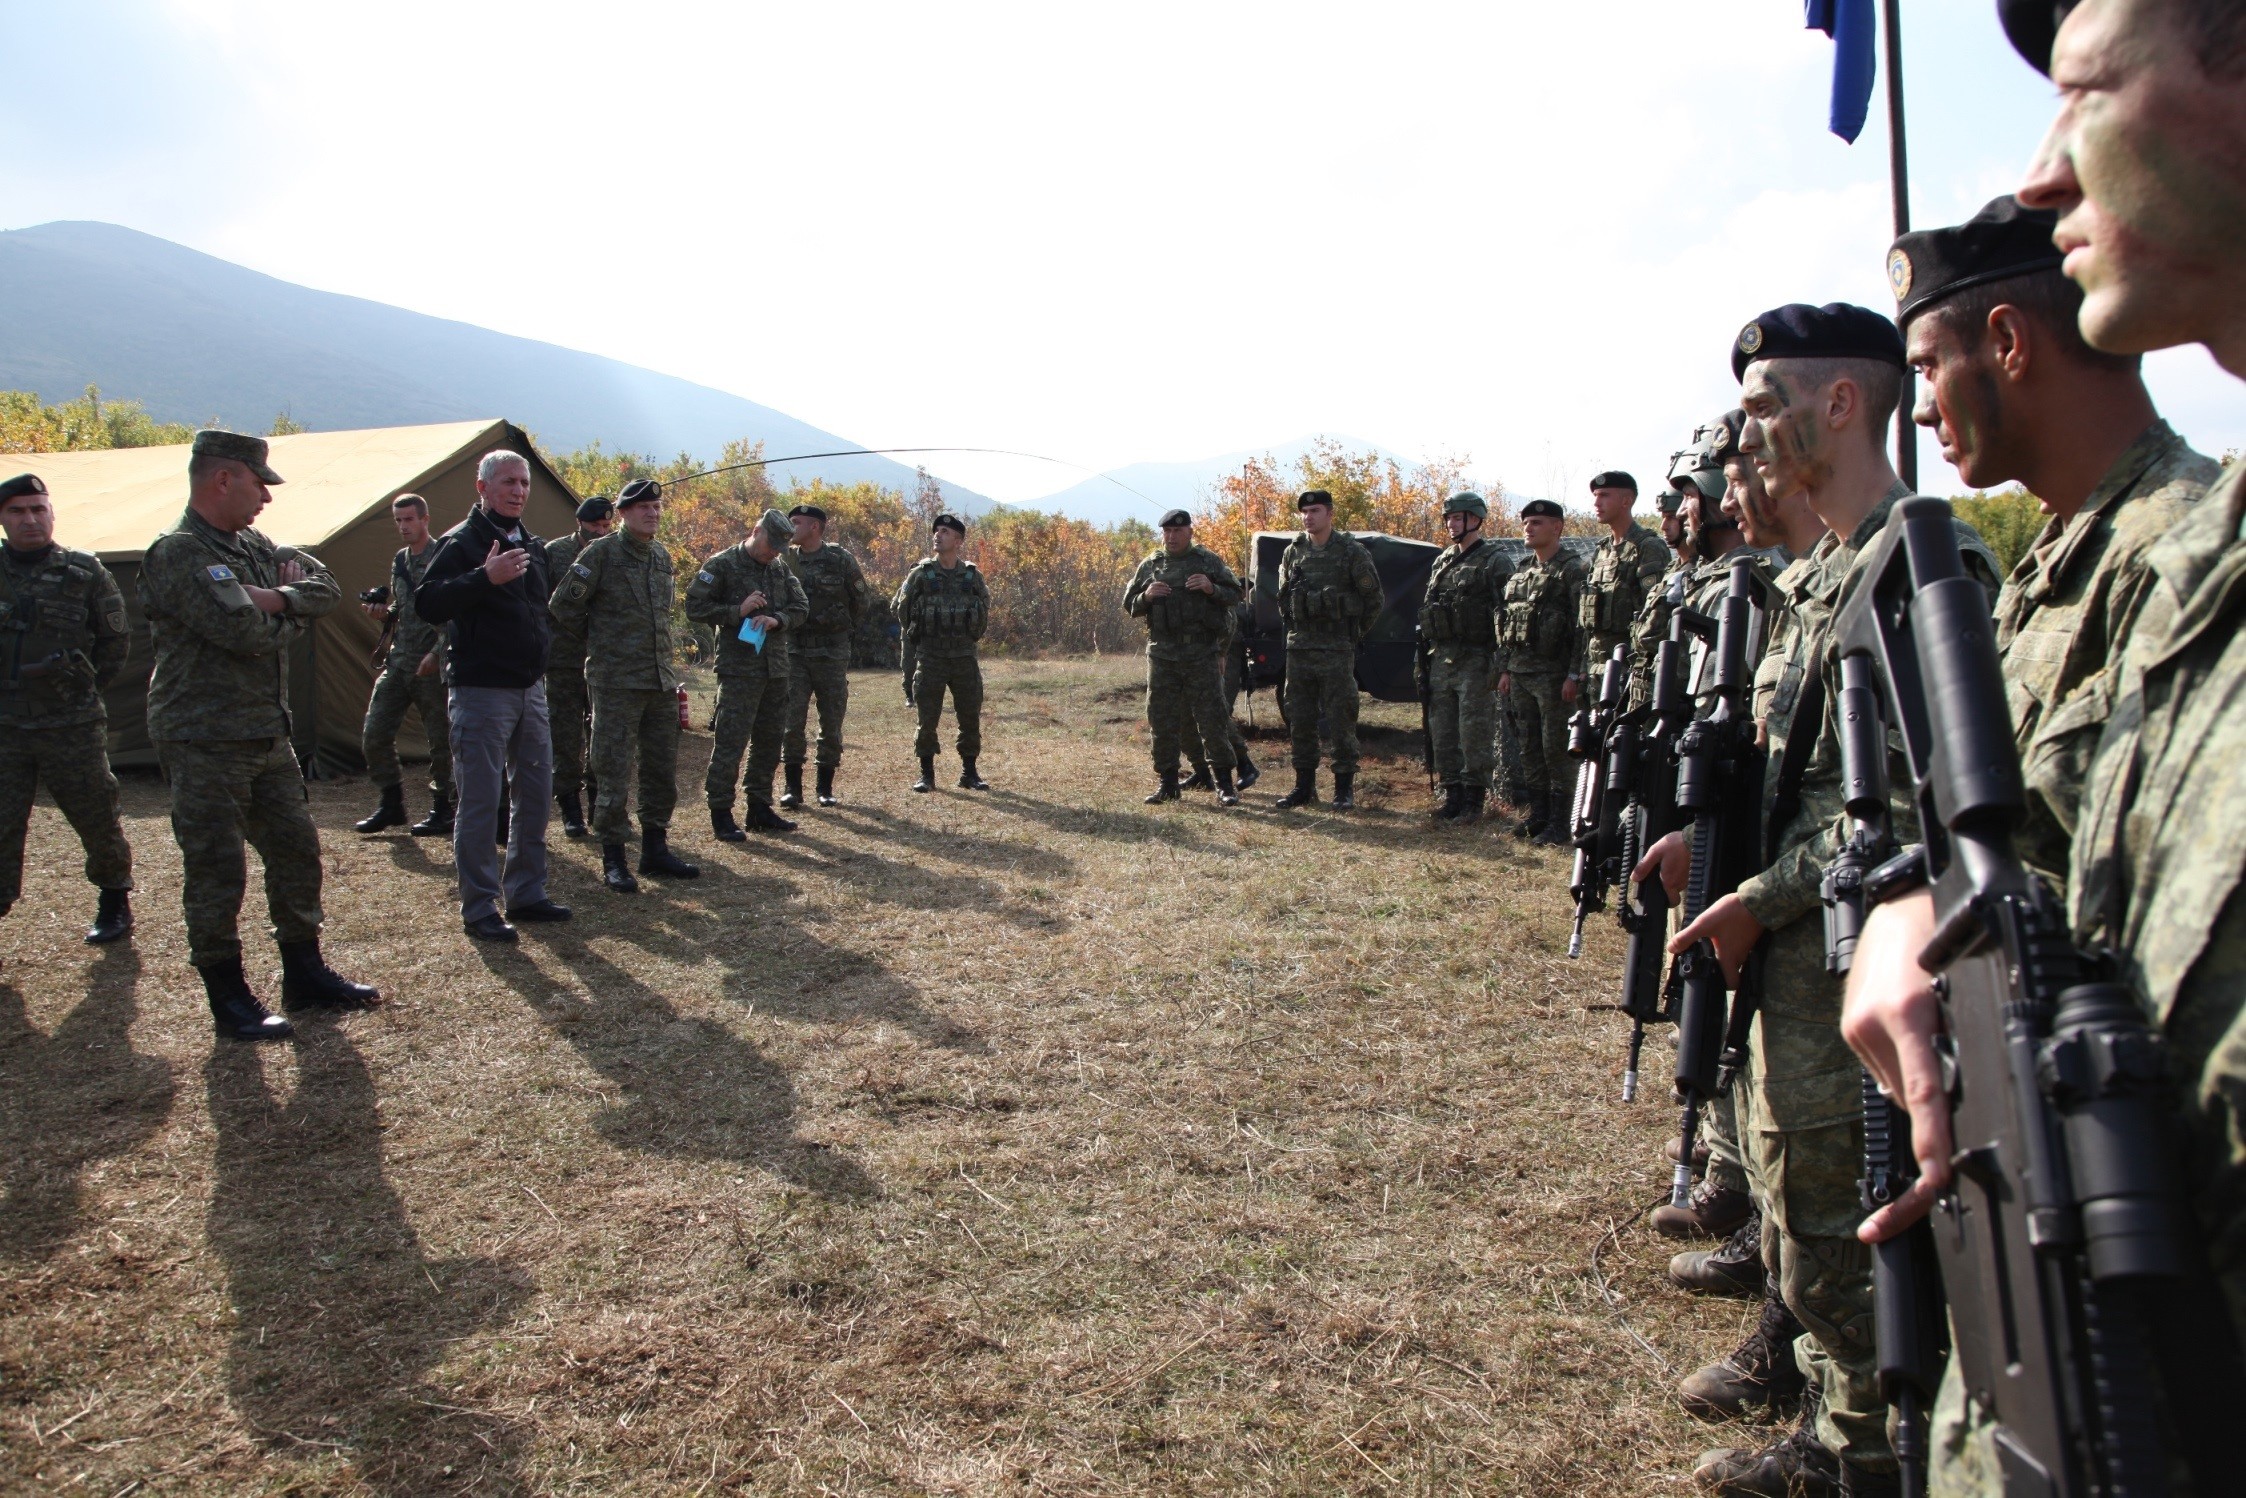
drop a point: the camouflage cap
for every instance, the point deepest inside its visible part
(1467, 503)
(20, 485)
(777, 532)
(248, 451)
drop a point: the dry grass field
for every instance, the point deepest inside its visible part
(1021, 1142)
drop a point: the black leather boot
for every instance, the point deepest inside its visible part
(968, 779)
(826, 786)
(1539, 811)
(1226, 795)
(113, 918)
(1471, 809)
(1345, 790)
(573, 813)
(235, 1010)
(1454, 801)
(1200, 780)
(1167, 790)
(792, 797)
(1559, 822)
(762, 818)
(307, 982)
(724, 828)
(927, 780)
(1305, 792)
(656, 857)
(391, 813)
(1248, 772)
(439, 821)
(615, 872)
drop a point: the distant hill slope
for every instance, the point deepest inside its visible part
(1170, 486)
(194, 337)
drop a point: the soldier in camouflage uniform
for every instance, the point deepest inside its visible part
(224, 607)
(618, 594)
(1330, 597)
(819, 657)
(1540, 652)
(750, 586)
(412, 676)
(63, 638)
(1627, 572)
(944, 606)
(569, 710)
(1244, 771)
(1458, 628)
(1186, 595)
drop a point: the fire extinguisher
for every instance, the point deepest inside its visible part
(683, 721)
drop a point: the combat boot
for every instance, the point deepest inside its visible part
(391, 813)
(1699, 1153)
(113, 918)
(1537, 809)
(1558, 830)
(927, 780)
(1471, 810)
(724, 828)
(1454, 801)
(1305, 792)
(235, 1010)
(1732, 1268)
(1759, 1374)
(1345, 790)
(615, 872)
(968, 779)
(439, 821)
(573, 813)
(656, 857)
(1799, 1466)
(1200, 780)
(1247, 771)
(1226, 795)
(1710, 1212)
(762, 818)
(307, 982)
(1167, 791)
(827, 796)
(792, 797)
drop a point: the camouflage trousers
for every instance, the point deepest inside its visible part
(819, 671)
(72, 762)
(1322, 682)
(1188, 693)
(752, 716)
(1802, 1127)
(1540, 725)
(1461, 717)
(1505, 749)
(631, 723)
(963, 674)
(395, 690)
(569, 714)
(1190, 745)
(225, 791)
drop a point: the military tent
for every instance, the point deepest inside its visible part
(335, 505)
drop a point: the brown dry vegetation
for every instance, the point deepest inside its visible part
(1035, 1141)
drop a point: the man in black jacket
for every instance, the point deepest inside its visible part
(488, 584)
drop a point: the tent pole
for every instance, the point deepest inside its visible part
(1899, 186)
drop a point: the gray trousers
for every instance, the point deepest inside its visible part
(497, 731)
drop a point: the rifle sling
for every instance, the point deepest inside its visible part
(1809, 718)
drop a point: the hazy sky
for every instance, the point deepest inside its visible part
(1524, 233)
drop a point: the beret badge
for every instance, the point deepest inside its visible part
(1750, 339)
(1899, 272)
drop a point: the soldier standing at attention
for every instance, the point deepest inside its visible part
(819, 656)
(1186, 595)
(63, 638)
(224, 606)
(413, 676)
(1540, 649)
(944, 606)
(569, 710)
(1626, 570)
(750, 587)
(1458, 620)
(618, 594)
(1329, 595)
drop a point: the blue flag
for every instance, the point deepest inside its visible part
(1854, 27)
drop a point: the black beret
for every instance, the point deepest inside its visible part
(948, 521)
(2003, 240)
(1176, 517)
(20, 485)
(1614, 478)
(1310, 497)
(1542, 509)
(809, 512)
(599, 507)
(639, 492)
(2033, 26)
(1837, 330)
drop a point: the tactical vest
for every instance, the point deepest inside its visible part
(411, 637)
(947, 605)
(825, 575)
(1614, 593)
(1535, 619)
(1185, 617)
(43, 612)
(1322, 604)
(1459, 608)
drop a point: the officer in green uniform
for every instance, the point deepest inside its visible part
(63, 638)
(412, 676)
(225, 606)
(1627, 569)
(1330, 597)
(819, 656)
(1458, 628)
(1540, 653)
(618, 594)
(569, 710)
(1186, 595)
(944, 606)
(750, 594)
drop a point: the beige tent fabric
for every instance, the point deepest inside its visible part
(336, 505)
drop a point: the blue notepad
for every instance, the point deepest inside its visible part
(751, 632)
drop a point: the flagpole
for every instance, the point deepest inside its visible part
(1899, 185)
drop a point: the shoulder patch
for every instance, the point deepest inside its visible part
(220, 574)
(580, 569)
(705, 575)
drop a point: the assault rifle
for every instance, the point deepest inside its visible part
(2070, 1268)
(1641, 776)
(1594, 818)
(1719, 784)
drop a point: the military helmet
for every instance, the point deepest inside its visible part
(1467, 503)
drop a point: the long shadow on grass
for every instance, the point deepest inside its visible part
(338, 1313)
(893, 881)
(1112, 823)
(68, 1099)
